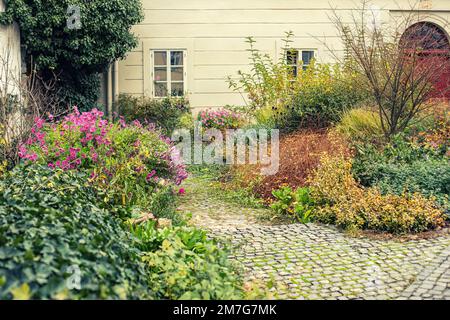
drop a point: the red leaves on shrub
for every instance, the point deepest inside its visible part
(300, 153)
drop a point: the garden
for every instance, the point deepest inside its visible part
(96, 206)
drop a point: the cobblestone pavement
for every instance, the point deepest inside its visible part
(320, 262)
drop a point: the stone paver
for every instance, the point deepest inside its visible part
(433, 282)
(320, 262)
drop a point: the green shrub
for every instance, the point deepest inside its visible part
(166, 113)
(184, 264)
(298, 203)
(404, 166)
(315, 97)
(321, 94)
(49, 223)
(342, 201)
(360, 125)
(267, 85)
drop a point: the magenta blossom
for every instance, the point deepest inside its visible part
(150, 175)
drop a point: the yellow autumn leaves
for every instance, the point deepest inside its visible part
(350, 206)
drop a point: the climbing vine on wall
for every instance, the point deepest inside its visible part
(74, 39)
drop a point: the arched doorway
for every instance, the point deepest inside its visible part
(433, 45)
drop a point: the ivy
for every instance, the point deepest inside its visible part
(102, 35)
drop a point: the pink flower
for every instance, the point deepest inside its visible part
(33, 157)
(39, 122)
(94, 156)
(150, 175)
(182, 191)
(22, 151)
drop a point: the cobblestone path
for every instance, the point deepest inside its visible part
(320, 262)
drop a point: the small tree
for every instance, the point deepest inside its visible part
(399, 70)
(74, 40)
(269, 82)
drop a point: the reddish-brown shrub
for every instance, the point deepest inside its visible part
(300, 153)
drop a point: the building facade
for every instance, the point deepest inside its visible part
(191, 47)
(10, 56)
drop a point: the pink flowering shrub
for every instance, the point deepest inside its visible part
(129, 162)
(220, 119)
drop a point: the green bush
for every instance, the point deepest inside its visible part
(267, 85)
(49, 223)
(404, 166)
(167, 113)
(321, 94)
(315, 97)
(184, 264)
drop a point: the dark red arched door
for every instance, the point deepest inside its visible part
(434, 46)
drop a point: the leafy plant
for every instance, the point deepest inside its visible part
(129, 161)
(303, 205)
(267, 85)
(184, 264)
(296, 203)
(50, 226)
(404, 166)
(320, 96)
(342, 201)
(167, 113)
(314, 97)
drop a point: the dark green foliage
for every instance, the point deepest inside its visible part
(48, 223)
(404, 166)
(321, 105)
(81, 90)
(75, 55)
(165, 113)
(163, 205)
(185, 264)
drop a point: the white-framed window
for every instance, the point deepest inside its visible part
(299, 58)
(169, 73)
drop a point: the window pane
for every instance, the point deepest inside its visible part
(160, 74)
(177, 74)
(160, 58)
(160, 89)
(177, 89)
(176, 58)
(292, 57)
(307, 56)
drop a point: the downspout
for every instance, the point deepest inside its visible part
(116, 87)
(109, 94)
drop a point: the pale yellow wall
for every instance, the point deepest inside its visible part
(10, 61)
(213, 33)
